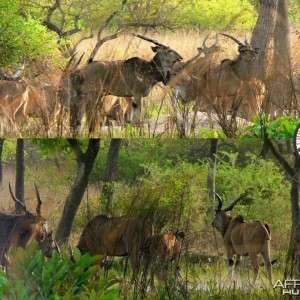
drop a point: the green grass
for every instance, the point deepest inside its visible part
(31, 275)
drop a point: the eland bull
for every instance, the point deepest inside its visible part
(184, 82)
(21, 230)
(243, 238)
(226, 86)
(133, 77)
(117, 236)
(161, 249)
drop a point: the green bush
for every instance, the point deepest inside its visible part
(23, 38)
(32, 276)
(281, 128)
(169, 195)
(223, 15)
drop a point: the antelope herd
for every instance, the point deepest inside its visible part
(149, 253)
(103, 91)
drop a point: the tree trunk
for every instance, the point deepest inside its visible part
(211, 175)
(293, 173)
(280, 82)
(282, 48)
(20, 169)
(110, 172)
(295, 193)
(85, 166)
(263, 33)
(1, 150)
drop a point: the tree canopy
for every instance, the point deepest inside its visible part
(23, 37)
(31, 29)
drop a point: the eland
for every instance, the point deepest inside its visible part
(242, 238)
(21, 230)
(117, 236)
(133, 77)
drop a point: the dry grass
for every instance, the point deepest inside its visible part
(157, 106)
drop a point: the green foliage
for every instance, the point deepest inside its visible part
(210, 133)
(32, 276)
(169, 195)
(9, 150)
(294, 10)
(50, 146)
(165, 180)
(135, 13)
(22, 38)
(268, 193)
(220, 15)
(281, 128)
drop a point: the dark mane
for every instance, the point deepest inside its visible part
(9, 220)
(238, 219)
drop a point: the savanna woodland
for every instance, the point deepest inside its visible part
(146, 149)
(149, 68)
(151, 201)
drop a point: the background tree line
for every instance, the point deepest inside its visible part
(31, 30)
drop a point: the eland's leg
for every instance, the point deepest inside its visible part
(230, 261)
(136, 111)
(255, 265)
(77, 110)
(236, 268)
(135, 261)
(266, 258)
(92, 111)
(231, 267)
(196, 109)
(176, 116)
(148, 269)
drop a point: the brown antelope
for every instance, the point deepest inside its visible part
(116, 236)
(184, 82)
(133, 77)
(225, 86)
(21, 230)
(115, 108)
(20, 100)
(162, 249)
(243, 238)
(13, 93)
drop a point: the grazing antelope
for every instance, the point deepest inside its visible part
(162, 249)
(185, 81)
(133, 77)
(243, 238)
(116, 236)
(21, 230)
